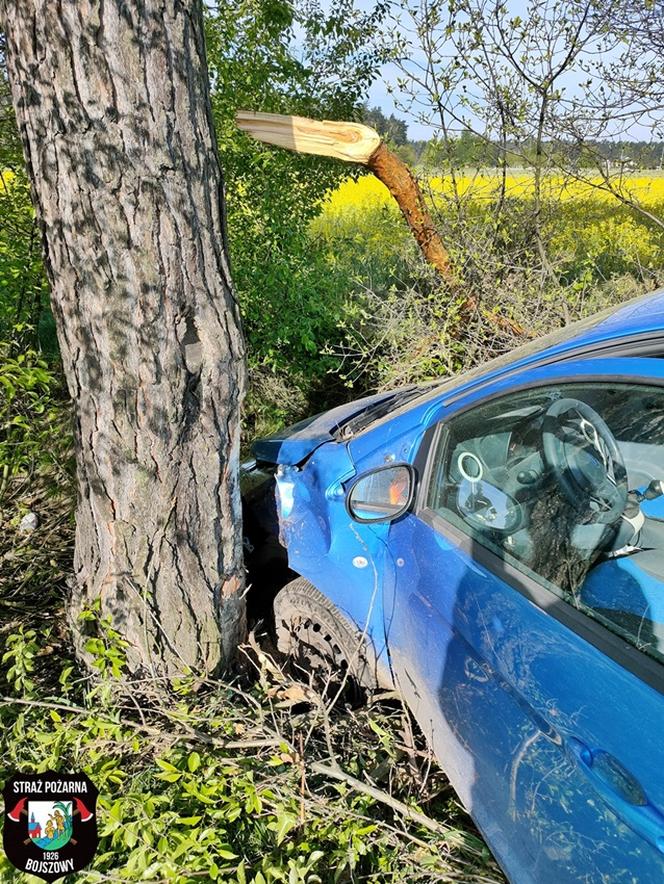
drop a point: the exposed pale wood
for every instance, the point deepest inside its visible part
(113, 107)
(350, 142)
(354, 142)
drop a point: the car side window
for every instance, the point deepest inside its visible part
(566, 484)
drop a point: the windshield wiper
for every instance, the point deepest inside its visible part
(375, 412)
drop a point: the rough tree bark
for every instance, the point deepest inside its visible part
(112, 101)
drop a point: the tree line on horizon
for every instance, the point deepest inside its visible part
(465, 148)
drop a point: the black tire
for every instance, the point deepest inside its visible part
(322, 645)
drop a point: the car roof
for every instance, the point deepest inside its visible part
(638, 315)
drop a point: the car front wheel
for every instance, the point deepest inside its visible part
(321, 645)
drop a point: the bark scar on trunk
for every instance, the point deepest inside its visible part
(191, 345)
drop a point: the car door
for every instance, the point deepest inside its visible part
(531, 650)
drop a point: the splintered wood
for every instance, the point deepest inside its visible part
(350, 142)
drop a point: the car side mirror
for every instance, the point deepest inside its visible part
(382, 495)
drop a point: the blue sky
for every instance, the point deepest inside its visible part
(378, 94)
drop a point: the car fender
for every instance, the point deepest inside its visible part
(341, 558)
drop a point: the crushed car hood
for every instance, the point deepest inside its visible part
(295, 444)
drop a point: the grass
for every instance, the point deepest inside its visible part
(252, 780)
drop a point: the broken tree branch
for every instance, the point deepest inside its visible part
(350, 142)
(356, 143)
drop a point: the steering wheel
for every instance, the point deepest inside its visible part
(584, 457)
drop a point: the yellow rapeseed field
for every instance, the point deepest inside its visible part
(590, 233)
(368, 192)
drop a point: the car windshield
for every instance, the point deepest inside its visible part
(405, 395)
(379, 409)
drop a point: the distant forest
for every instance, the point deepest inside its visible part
(471, 150)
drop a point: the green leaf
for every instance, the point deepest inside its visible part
(194, 762)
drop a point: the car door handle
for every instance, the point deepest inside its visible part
(621, 791)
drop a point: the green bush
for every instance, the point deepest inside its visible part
(23, 287)
(34, 431)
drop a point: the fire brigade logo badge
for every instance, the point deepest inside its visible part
(50, 823)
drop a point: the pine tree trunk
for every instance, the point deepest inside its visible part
(112, 101)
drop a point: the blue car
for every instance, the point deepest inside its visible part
(492, 546)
